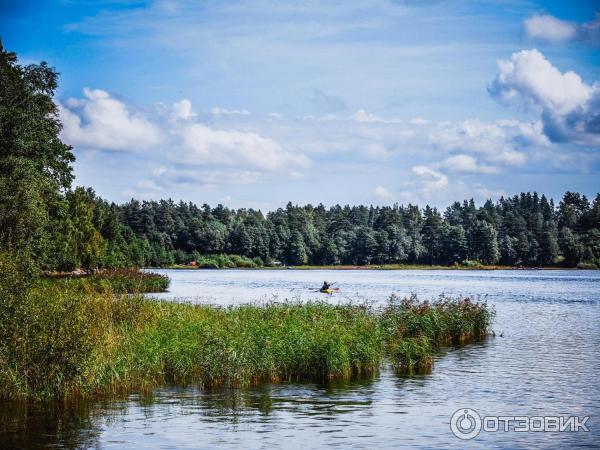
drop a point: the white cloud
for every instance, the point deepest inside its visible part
(466, 164)
(183, 110)
(205, 145)
(418, 121)
(383, 193)
(218, 111)
(423, 185)
(363, 116)
(496, 143)
(99, 121)
(550, 28)
(240, 150)
(177, 175)
(431, 178)
(569, 108)
(530, 77)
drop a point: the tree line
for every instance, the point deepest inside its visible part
(526, 229)
(60, 228)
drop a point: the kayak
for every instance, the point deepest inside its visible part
(328, 291)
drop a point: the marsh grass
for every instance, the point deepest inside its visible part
(415, 329)
(59, 340)
(121, 281)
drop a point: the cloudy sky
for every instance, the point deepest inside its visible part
(256, 103)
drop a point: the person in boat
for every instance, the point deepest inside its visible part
(326, 286)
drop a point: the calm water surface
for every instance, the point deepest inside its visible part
(547, 362)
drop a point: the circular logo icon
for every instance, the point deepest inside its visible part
(465, 423)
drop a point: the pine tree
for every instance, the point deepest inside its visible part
(297, 250)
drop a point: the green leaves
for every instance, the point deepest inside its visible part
(35, 166)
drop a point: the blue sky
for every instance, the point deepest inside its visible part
(256, 103)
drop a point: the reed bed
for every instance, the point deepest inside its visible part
(59, 340)
(121, 281)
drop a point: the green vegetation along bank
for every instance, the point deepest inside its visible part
(115, 281)
(67, 339)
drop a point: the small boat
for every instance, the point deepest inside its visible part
(329, 291)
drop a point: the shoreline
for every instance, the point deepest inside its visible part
(373, 267)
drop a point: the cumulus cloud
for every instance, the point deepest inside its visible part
(422, 185)
(531, 78)
(363, 136)
(497, 143)
(383, 193)
(549, 28)
(431, 178)
(100, 121)
(427, 186)
(205, 145)
(183, 110)
(569, 108)
(466, 164)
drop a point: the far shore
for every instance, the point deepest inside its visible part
(376, 267)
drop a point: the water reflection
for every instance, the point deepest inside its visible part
(32, 426)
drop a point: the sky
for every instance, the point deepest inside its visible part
(256, 103)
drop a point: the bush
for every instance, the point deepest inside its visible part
(242, 261)
(208, 264)
(471, 263)
(258, 262)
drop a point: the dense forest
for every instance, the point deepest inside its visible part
(523, 230)
(57, 227)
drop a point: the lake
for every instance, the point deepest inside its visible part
(543, 361)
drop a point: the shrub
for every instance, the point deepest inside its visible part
(208, 265)
(471, 263)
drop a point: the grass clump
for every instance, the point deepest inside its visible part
(415, 329)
